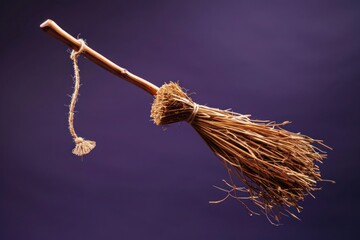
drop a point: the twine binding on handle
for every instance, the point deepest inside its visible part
(82, 146)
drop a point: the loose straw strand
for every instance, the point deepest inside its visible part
(82, 146)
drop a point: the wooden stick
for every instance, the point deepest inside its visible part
(53, 29)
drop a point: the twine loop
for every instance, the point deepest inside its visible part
(193, 113)
(74, 54)
(82, 146)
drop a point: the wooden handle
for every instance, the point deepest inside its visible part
(53, 29)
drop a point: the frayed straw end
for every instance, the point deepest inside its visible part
(83, 146)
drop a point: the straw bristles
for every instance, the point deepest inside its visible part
(277, 167)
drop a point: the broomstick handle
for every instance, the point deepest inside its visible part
(53, 29)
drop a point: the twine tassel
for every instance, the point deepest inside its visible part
(82, 146)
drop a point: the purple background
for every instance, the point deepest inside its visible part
(278, 60)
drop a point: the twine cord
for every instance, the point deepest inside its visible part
(82, 146)
(193, 113)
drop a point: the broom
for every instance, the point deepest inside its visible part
(277, 168)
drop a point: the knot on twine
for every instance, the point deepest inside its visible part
(82, 146)
(193, 113)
